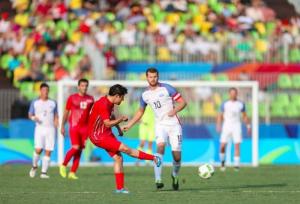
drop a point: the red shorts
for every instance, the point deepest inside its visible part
(78, 136)
(109, 143)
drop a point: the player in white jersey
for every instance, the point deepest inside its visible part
(43, 111)
(161, 97)
(230, 114)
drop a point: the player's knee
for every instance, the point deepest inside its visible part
(48, 153)
(77, 147)
(160, 148)
(118, 158)
(222, 148)
(125, 149)
(177, 159)
(38, 151)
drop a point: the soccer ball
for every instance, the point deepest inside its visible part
(206, 171)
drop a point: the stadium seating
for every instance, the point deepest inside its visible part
(296, 81)
(284, 81)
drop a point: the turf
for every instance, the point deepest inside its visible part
(266, 184)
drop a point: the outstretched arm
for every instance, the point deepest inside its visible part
(113, 122)
(138, 115)
(117, 126)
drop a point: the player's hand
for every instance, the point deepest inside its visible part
(124, 118)
(172, 113)
(125, 128)
(36, 119)
(249, 131)
(62, 130)
(218, 128)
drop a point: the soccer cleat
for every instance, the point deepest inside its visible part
(122, 191)
(44, 176)
(175, 182)
(63, 171)
(73, 176)
(159, 185)
(157, 161)
(236, 168)
(32, 172)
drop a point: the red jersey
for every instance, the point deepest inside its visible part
(101, 111)
(80, 107)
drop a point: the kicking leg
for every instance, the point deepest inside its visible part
(137, 153)
(140, 147)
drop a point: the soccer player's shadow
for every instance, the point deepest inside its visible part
(278, 185)
(228, 188)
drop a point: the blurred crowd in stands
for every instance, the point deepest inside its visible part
(43, 39)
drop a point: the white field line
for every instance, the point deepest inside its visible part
(200, 191)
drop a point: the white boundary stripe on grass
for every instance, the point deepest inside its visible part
(83, 192)
(188, 164)
(200, 191)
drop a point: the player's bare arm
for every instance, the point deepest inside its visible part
(34, 118)
(219, 122)
(64, 120)
(56, 122)
(181, 104)
(247, 122)
(138, 115)
(113, 117)
(110, 123)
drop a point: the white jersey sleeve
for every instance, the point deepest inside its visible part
(161, 100)
(232, 111)
(44, 110)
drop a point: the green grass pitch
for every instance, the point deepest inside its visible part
(266, 184)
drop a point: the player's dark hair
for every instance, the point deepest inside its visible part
(44, 85)
(151, 70)
(117, 89)
(233, 89)
(83, 81)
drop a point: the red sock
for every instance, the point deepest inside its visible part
(76, 161)
(145, 156)
(119, 180)
(69, 155)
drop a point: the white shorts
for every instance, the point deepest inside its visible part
(44, 138)
(231, 132)
(169, 134)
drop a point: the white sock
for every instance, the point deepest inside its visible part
(236, 161)
(176, 168)
(35, 159)
(45, 164)
(222, 157)
(158, 170)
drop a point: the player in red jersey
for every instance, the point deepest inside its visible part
(100, 133)
(77, 111)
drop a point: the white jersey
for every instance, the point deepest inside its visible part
(45, 111)
(161, 101)
(232, 112)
